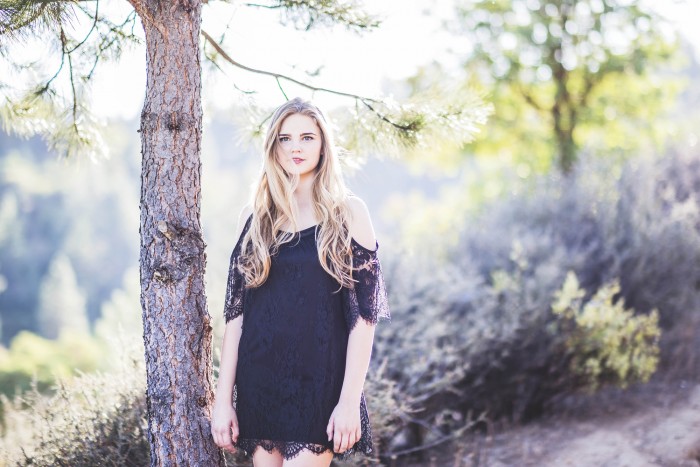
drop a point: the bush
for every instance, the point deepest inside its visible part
(476, 333)
(607, 343)
(31, 356)
(93, 419)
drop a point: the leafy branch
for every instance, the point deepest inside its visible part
(36, 109)
(406, 122)
(305, 14)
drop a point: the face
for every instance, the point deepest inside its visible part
(299, 144)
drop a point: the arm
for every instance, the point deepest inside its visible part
(224, 421)
(224, 424)
(345, 426)
(357, 362)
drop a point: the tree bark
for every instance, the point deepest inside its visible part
(563, 115)
(177, 326)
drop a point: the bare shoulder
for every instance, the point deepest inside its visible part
(361, 228)
(242, 217)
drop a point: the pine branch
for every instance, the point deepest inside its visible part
(374, 124)
(64, 119)
(20, 19)
(393, 127)
(367, 101)
(305, 14)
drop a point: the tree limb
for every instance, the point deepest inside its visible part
(588, 87)
(366, 101)
(529, 98)
(233, 62)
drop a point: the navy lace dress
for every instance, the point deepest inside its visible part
(292, 352)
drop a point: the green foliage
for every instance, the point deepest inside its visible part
(66, 123)
(32, 357)
(608, 343)
(94, 419)
(439, 116)
(555, 66)
(20, 18)
(55, 104)
(443, 116)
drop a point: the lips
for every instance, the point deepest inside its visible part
(297, 160)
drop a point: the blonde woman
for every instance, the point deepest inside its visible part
(305, 292)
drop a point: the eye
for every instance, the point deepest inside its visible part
(308, 138)
(284, 138)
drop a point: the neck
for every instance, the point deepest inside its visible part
(303, 192)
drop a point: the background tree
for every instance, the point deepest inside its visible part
(61, 301)
(568, 73)
(177, 329)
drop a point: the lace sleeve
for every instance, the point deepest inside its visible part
(368, 299)
(235, 291)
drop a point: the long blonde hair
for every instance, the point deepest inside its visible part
(274, 205)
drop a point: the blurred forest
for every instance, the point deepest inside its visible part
(556, 256)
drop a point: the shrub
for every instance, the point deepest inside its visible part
(476, 333)
(31, 356)
(607, 343)
(92, 419)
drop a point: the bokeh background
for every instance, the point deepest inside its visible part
(542, 262)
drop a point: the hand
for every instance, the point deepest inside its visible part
(344, 426)
(224, 426)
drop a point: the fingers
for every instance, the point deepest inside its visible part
(224, 442)
(330, 428)
(349, 440)
(344, 440)
(337, 437)
(224, 437)
(352, 439)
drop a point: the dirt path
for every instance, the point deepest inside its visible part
(646, 430)
(650, 426)
(658, 436)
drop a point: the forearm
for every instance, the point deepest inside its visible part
(229, 359)
(357, 361)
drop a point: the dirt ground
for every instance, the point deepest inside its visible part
(653, 425)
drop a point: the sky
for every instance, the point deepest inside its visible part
(359, 64)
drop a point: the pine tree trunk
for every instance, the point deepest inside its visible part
(177, 328)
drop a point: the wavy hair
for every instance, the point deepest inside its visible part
(274, 205)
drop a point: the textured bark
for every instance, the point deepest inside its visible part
(177, 325)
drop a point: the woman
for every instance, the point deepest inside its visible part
(305, 291)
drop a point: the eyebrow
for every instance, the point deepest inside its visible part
(303, 134)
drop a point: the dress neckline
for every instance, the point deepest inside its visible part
(300, 231)
(352, 239)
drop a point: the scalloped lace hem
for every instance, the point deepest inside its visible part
(291, 449)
